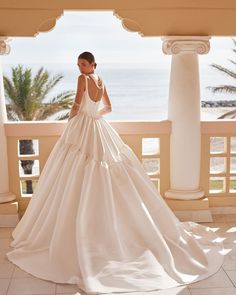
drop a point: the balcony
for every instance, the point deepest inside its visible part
(192, 163)
(14, 281)
(151, 143)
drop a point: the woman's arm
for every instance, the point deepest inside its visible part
(107, 104)
(79, 94)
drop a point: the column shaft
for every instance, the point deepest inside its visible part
(5, 195)
(184, 113)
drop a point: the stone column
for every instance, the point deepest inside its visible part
(5, 195)
(184, 113)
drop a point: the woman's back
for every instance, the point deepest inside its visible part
(94, 92)
(95, 87)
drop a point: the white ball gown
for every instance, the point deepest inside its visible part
(97, 220)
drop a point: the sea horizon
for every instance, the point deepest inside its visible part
(137, 91)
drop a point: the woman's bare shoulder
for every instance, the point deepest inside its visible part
(81, 78)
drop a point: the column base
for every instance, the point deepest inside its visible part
(191, 210)
(184, 195)
(195, 216)
(9, 216)
(7, 197)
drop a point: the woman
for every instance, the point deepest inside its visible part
(97, 220)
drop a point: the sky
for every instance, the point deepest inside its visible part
(101, 33)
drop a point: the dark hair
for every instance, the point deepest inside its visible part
(89, 57)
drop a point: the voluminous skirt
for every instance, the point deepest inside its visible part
(97, 220)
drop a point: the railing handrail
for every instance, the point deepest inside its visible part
(49, 128)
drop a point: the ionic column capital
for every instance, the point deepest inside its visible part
(4, 46)
(185, 44)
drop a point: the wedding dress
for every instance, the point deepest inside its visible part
(97, 220)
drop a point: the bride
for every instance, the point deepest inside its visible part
(97, 220)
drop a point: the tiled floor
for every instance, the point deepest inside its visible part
(14, 281)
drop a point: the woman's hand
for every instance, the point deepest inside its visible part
(106, 109)
(74, 110)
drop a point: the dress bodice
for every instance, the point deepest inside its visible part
(89, 106)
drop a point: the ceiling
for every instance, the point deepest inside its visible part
(148, 18)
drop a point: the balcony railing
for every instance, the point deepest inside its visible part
(149, 140)
(218, 163)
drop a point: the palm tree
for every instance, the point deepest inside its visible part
(26, 97)
(226, 88)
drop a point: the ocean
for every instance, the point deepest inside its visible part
(136, 93)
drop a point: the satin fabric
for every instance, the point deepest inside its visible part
(97, 220)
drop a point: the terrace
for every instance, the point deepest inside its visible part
(192, 162)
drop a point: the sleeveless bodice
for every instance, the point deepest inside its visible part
(88, 106)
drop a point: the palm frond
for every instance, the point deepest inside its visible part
(228, 115)
(26, 93)
(232, 61)
(12, 113)
(234, 41)
(223, 88)
(49, 86)
(39, 82)
(65, 96)
(63, 116)
(224, 70)
(61, 102)
(49, 110)
(10, 90)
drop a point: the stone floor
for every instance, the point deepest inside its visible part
(14, 281)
